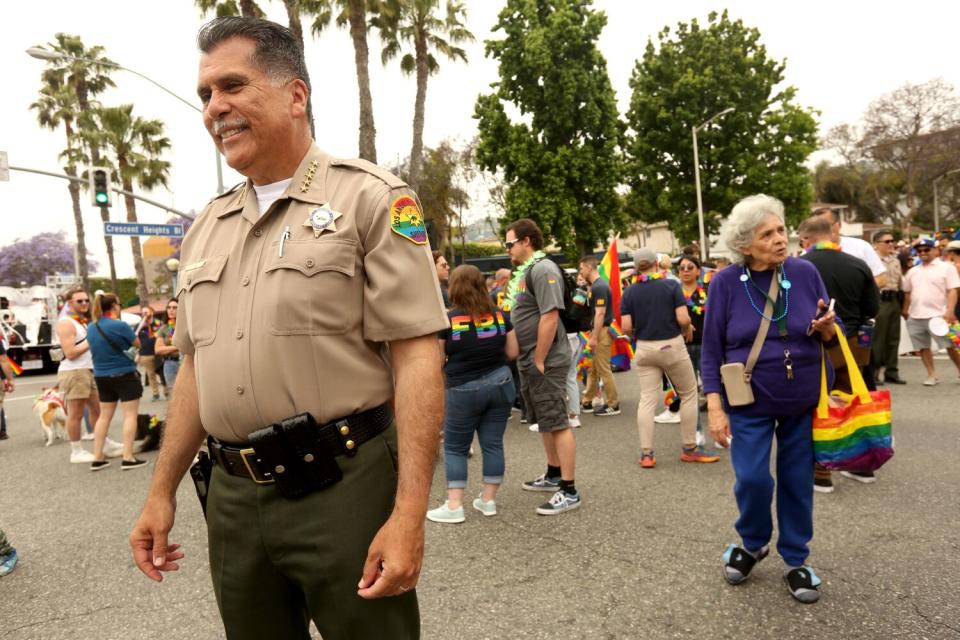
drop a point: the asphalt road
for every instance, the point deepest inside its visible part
(640, 559)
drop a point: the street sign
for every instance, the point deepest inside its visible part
(4, 167)
(140, 229)
(61, 280)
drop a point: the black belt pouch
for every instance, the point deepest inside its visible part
(294, 457)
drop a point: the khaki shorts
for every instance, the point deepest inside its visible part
(77, 384)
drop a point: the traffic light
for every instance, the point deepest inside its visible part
(100, 187)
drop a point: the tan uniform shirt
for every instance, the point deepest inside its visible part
(894, 272)
(276, 332)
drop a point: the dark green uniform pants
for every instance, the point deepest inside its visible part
(278, 563)
(886, 338)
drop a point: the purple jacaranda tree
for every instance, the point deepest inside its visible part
(176, 242)
(31, 260)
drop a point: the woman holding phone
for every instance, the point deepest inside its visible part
(765, 287)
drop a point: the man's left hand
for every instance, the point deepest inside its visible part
(394, 559)
(950, 317)
(593, 342)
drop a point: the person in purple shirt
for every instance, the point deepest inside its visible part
(785, 383)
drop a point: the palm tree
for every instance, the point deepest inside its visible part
(416, 23)
(68, 85)
(246, 8)
(136, 145)
(352, 13)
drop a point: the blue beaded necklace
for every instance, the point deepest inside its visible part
(784, 284)
(779, 319)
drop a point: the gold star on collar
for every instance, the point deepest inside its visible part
(321, 219)
(308, 178)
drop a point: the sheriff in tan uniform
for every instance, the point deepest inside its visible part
(289, 312)
(308, 315)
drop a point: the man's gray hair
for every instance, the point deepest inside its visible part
(277, 53)
(879, 233)
(744, 220)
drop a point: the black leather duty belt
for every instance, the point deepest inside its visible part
(889, 295)
(343, 436)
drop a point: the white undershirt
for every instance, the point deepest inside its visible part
(269, 193)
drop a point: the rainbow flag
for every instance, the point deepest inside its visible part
(17, 369)
(609, 269)
(622, 351)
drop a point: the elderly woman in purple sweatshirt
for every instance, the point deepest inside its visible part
(785, 384)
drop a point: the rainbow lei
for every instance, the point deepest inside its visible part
(648, 277)
(826, 244)
(78, 318)
(697, 300)
(513, 288)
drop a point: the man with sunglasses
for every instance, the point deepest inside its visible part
(75, 375)
(931, 292)
(886, 335)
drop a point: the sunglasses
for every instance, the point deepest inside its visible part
(923, 249)
(172, 307)
(84, 301)
(509, 244)
(687, 267)
(890, 241)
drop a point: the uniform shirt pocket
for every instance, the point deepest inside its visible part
(311, 289)
(200, 283)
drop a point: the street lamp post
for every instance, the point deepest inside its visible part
(173, 265)
(936, 200)
(696, 177)
(43, 54)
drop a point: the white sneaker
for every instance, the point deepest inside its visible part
(87, 436)
(930, 382)
(81, 457)
(112, 449)
(667, 417)
(535, 427)
(445, 514)
(574, 421)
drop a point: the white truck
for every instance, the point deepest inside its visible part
(28, 326)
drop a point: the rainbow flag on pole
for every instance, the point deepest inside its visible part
(609, 269)
(17, 369)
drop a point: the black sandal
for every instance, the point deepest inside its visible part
(804, 584)
(738, 563)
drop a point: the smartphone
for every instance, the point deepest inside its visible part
(822, 312)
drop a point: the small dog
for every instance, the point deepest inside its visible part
(52, 415)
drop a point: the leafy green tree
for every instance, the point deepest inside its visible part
(560, 161)
(418, 24)
(65, 93)
(136, 145)
(352, 14)
(691, 74)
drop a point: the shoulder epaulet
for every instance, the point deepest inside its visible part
(228, 191)
(391, 180)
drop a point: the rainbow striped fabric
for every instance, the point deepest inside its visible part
(856, 436)
(852, 432)
(17, 369)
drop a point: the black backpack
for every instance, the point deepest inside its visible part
(575, 314)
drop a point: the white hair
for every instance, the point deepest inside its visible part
(746, 216)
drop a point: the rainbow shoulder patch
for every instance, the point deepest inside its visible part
(407, 221)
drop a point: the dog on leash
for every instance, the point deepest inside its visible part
(51, 413)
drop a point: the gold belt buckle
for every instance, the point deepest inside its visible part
(253, 475)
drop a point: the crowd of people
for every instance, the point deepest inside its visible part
(322, 413)
(772, 318)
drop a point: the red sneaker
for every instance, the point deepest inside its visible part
(697, 454)
(647, 461)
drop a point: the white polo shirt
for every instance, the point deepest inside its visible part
(864, 250)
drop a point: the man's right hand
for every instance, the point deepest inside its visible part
(148, 540)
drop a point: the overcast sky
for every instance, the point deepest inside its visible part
(839, 55)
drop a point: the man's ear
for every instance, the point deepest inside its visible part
(300, 93)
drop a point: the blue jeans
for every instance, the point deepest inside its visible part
(481, 406)
(750, 454)
(170, 370)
